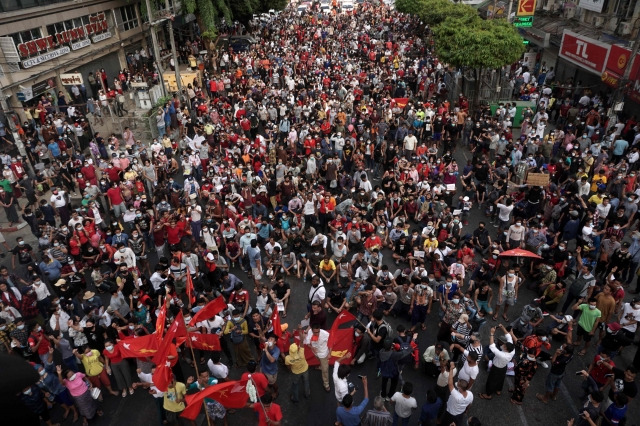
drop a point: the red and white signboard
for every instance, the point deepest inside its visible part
(584, 51)
(617, 62)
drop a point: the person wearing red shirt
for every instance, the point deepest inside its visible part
(269, 413)
(113, 173)
(327, 205)
(89, 172)
(373, 241)
(115, 200)
(596, 375)
(259, 380)
(117, 366)
(174, 233)
(39, 343)
(17, 168)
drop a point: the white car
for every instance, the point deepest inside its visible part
(347, 7)
(301, 9)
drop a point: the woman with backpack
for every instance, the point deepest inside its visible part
(237, 330)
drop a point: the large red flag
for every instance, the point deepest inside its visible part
(275, 322)
(400, 102)
(230, 394)
(341, 340)
(205, 342)
(160, 321)
(139, 347)
(209, 310)
(191, 293)
(162, 376)
(163, 350)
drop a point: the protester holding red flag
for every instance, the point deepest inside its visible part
(209, 310)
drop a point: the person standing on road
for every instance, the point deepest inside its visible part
(502, 357)
(318, 339)
(561, 358)
(460, 398)
(347, 414)
(299, 369)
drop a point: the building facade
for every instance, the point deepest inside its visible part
(48, 46)
(587, 41)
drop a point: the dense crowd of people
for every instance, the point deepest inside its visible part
(327, 153)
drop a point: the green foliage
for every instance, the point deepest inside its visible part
(476, 43)
(412, 7)
(436, 11)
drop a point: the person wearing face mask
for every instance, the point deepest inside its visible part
(620, 259)
(588, 322)
(237, 328)
(607, 248)
(80, 393)
(507, 292)
(524, 372)
(453, 310)
(117, 366)
(33, 399)
(515, 234)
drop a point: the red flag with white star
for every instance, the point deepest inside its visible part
(275, 322)
(205, 342)
(139, 347)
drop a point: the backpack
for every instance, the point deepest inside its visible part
(235, 336)
(388, 327)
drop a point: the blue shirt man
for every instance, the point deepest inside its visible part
(619, 146)
(347, 414)
(54, 148)
(269, 362)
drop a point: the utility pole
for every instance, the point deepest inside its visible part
(509, 10)
(173, 52)
(156, 50)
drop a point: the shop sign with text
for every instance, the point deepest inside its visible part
(52, 46)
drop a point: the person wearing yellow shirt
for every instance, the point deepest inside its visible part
(131, 175)
(430, 244)
(297, 362)
(93, 364)
(588, 161)
(600, 177)
(174, 400)
(596, 198)
(328, 269)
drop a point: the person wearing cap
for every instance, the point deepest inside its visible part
(297, 363)
(614, 340)
(502, 357)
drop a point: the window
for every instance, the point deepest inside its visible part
(25, 36)
(128, 17)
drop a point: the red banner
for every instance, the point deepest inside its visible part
(139, 347)
(230, 394)
(584, 51)
(209, 310)
(205, 342)
(341, 340)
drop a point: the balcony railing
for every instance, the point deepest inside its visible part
(13, 5)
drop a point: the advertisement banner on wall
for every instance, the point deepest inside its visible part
(594, 5)
(583, 51)
(617, 62)
(526, 8)
(634, 80)
(71, 79)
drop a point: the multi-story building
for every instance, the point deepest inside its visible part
(587, 41)
(48, 45)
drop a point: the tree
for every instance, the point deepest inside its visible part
(412, 7)
(436, 11)
(471, 42)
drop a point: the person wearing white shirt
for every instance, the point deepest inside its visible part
(217, 368)
(460, 399)
(470, 369)
(60, 320)
(317, 339)
(157, 280)
(340, 382)
(502, 356)
(126, 255)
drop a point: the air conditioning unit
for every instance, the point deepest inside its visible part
(625, 28)
(598, 21)
(612, 24)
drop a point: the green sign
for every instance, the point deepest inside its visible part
(525, 41)
(523, 21)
